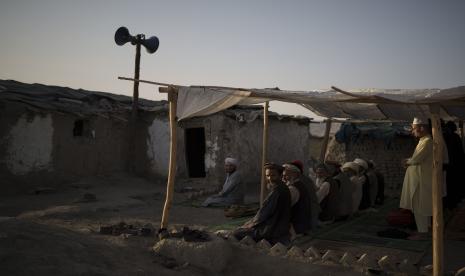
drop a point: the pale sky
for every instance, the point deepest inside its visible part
(294, 45)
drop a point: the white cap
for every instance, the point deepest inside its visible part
(350, 165)
(231, 161)
(418, 121)
(362, 163)
(291, 167)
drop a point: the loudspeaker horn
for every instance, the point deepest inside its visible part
(151, 44)
(122, 36)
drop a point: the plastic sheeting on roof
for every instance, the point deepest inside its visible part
(368, 104)
(68, 100)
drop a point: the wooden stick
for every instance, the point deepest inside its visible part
(438, 224)
(324, 146)
(172, 97)
(263, 189)
(149, 82)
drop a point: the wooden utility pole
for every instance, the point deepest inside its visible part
(324, 146)
(263, 189)
(172, 98)
(438, 221)
(135, 96)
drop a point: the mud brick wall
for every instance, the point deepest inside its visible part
(387, 156)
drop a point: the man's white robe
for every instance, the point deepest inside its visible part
(417, 187)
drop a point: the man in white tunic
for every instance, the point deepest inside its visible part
(233, 191)
(417, 187)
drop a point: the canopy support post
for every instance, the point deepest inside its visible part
(438, 223)
(263, 188)
(324, 146)
(172, 98)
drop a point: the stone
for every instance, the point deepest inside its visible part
(263, 245)
(247, 241)
(313, 253)
(387, 264)
(295, 253)
(367, 261)
(278, 250)
(330, 256)
(348, 259)
(213, 255)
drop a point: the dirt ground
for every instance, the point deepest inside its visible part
(56, 232)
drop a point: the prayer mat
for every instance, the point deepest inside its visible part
(363, 228)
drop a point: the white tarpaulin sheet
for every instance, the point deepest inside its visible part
(368, 104)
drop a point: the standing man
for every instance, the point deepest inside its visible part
(273, 219)
(417, 187)
(233, 191)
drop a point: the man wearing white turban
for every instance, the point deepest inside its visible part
(351, 169)
(233, 191)
(417, 186)
(301, 215)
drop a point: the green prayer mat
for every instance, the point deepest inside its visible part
(363, 229)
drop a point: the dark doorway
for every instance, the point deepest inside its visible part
(195, 151)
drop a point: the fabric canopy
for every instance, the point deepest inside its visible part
(367, 104)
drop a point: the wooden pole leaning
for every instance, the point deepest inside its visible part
(438, 221)
(324, 146)
(172, 98)
(263, 189)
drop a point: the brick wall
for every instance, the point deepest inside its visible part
(387, 157)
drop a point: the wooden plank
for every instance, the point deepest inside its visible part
(438, 221)
(149, 82)
(263, 189)
(172, 97)
(324, 146)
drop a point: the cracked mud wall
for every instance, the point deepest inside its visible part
(39, 148)
(288, 140)
(101, 149)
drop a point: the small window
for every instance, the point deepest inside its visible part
(81, 128)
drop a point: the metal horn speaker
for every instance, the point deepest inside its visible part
(151, 44)
(122, 36)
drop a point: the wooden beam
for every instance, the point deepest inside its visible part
(164, 89)
(149, 82)
(172, 98)
(438, 221)
(324, 146)
(263, 189)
